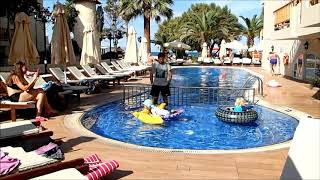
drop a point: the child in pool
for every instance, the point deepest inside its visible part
(241, 105)
(159, 110)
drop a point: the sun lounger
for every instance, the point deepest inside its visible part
(246, 61)
(217, 61)
(226, 61)
(76, 164)
(236, 61)
(110, 70)
(28, 160)
(200, 59)
(128, 66)
(18, 128)
(93, 74)
(81, 77)
(303, 158)
(119, 76)
(16, 105)
(118, 68)
(256, 62)
(207, 60)
(24, 134)
(60, 76)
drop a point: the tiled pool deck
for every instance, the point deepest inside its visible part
(138, 164)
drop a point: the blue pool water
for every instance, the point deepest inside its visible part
(209, 77)
(197, 128)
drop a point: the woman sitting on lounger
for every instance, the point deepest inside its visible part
(19, 90)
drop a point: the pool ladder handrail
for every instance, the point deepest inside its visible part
(254, 78)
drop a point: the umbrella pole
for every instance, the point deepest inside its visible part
(65, 74)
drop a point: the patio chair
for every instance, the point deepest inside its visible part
(93, 74)
(303, 157)
(110, 70)
(119, 76)
(246, 61)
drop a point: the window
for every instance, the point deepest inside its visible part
(282, 17)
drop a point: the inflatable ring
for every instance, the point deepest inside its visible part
(227, 115)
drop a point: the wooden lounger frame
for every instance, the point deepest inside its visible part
(39, 171)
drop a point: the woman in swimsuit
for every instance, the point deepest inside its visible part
(273, 58)
(19, 90)
(300, 62)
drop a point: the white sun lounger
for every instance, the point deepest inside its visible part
(102, 70)
(236, 60)
(78, 75)
(125, 65)
(28, 160)
(207, 60)
(93, 74)
(118, 68)
(246, 61)
(13, 129)
(217, 61)
(110, 70)
(60, 76)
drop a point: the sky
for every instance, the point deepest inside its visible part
(246, 8)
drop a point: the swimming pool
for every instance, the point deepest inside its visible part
(197, 128)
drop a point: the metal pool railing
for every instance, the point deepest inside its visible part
(134, 95)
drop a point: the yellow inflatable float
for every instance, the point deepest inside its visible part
(146, 117)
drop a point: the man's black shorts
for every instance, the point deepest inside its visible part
(155, 90)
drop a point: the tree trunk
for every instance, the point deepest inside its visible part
(127, 24)
(146, 23)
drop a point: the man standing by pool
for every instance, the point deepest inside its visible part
(160, 78)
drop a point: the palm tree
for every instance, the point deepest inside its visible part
(199, 27)
(127, 11)
(149, 9)
(252, 28)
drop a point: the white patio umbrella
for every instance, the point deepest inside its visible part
(204, 52)
(222, 51)
(91, 46)
(143, 53)
(61, 44)
(131, 55)
(176, 44)
(235, 45)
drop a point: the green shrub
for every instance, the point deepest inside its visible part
(315, 82)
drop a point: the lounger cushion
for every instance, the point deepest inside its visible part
(70, 173)
(102, 169)
(18, 128)
(28, 160)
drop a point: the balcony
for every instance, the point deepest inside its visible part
(282, 17)
(310, 16)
